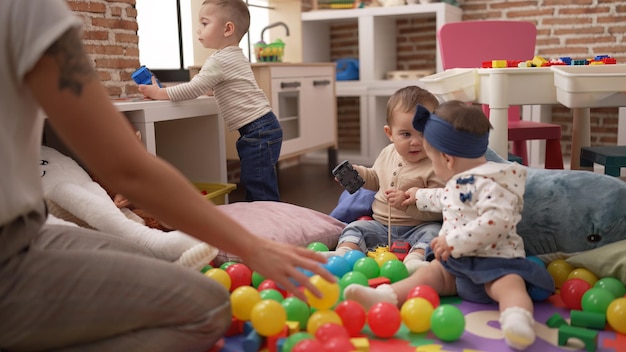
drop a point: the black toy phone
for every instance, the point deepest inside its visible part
(348, 177)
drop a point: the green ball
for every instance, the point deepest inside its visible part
(206, 268)
(270, 293)
(596, 300)
(353, 277)
(367, 266)
(394, 270)
(257, 279)
(317, 247)
(613, 285)
(447, 323)
(226, 265)
(297, 310)
(293, 339)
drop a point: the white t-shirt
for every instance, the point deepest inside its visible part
(27, 29)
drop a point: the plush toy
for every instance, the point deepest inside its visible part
(565, 212)
(72, 195)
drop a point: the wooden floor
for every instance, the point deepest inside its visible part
(304, 184)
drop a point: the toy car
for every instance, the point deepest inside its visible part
(348, 177)
(400, 249)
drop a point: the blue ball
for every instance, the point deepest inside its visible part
(338, 266)
(352, 256)
(536, 260)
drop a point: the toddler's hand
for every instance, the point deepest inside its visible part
(152, 91)
(440, 248)
(410, 196)
(396, 198)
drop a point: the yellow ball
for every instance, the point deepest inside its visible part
(616, 315)
(559, 270)
(415, 314)
(242, 300)
(321, 317)
(268, 317)
(583, 274)
(220, 276)
(383, 257)
(329, 290)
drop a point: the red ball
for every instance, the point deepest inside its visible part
(572, 291)
(267, 283)
(240, 275)
(338, 345)
(426, 292)
(329, 331)
(384, 319)
(352, 315)
(308, 345)
(365, 217)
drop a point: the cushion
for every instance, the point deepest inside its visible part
(282, 222)
(603, 261)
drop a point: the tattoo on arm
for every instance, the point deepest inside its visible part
(75, 68)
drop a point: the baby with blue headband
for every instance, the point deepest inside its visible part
(478, 254)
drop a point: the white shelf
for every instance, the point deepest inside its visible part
(413, 10)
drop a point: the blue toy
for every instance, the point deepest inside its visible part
(144, 76)
(347, 69)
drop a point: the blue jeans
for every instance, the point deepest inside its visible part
(368, 234)
(259, 148)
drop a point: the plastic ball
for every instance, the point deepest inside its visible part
(307, 345)
(328, 331)
(616, 315)
(273, 294)
(240, 275)
(612, 284)
(337, 266)
(317, 247)
(367, 266)
(447, 322)
(582, 273)
(353, 277)
(294, 339)
(352, 256)
(242, 300)
(257, 279)
(352, 315)
(572, 292)
(383, 257)
(339, 345)
(597, 300)
(536, 260)
(297, 310)
(226, 265)
(415, 313)
(538, 294)
(559, 269)
(268, 317)
(321, 317)
(220, 276)
(384, 319)
(271, 284)
(206, 268)
(394, 270)
(329, 291)
(425, 292)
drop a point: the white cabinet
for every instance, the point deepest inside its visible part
(377, 55)
(303, 98)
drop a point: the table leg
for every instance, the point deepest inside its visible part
(581, 135)
(499, 114)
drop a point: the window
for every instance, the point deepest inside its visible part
(166, 44)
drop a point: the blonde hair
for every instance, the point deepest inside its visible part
(406, 100)
(235, 11)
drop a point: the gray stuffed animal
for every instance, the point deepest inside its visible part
(565, 212)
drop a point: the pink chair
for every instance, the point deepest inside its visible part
(468, 44)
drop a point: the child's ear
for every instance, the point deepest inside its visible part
(229, 29)
(449, 160)
(388, 132)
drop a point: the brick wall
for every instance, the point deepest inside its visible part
(110, 38)
(576, 28)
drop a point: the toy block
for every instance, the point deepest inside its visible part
(247, 327)
(377, 281)
(586, 319)
(236, 327)
(292, 327)
(555, 321)
(498, 63)
(274, 342)
(588, 337)
(361, 344)
(252, 342)
(539, 61)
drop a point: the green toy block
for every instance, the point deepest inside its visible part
(555, 321)
(588, 337)
(586, 319)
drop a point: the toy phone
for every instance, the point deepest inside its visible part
(348, 177)
(144, 76)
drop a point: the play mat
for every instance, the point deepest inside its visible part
(482, 333)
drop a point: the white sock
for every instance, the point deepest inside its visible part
(517, 326)
(339, 252)
(368, 296)
(414, 261)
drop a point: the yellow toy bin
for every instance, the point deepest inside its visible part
(216, 192)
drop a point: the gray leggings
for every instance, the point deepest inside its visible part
(72, 289)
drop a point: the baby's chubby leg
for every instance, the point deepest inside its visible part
(356, 236)
(433, 275)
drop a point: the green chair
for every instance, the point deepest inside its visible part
(612, 157)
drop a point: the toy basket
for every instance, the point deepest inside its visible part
(272, 52)
(216, 192)
(335, 4)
